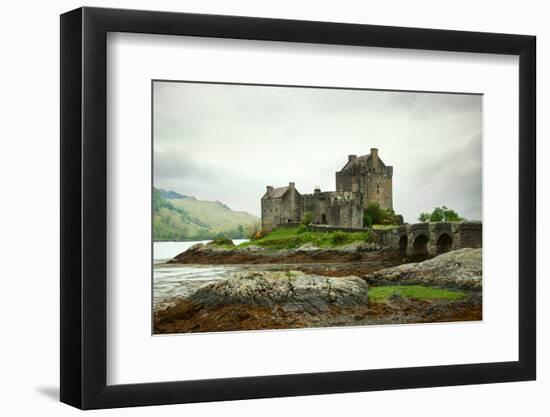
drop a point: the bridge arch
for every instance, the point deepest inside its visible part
(420, 245)
(403, 243)
(444, 243)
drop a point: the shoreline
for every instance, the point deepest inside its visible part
(201, 254)
(238, 306)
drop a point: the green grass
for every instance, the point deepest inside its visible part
(381, 294)
(294, 237)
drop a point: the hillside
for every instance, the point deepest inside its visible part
(187, 218)
(170, 194)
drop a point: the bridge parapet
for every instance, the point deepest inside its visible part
(432, 238)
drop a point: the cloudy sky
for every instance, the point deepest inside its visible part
(227, 142)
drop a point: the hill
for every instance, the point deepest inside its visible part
(187, 218)
(170, 194)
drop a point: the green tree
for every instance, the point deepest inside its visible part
(440, 214)
(424, 217)
(375, 213)
(308, 218)
(367, 220)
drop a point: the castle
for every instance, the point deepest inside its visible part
(362, 180)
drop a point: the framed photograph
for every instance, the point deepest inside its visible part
(257, 208)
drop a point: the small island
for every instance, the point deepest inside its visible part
(295, 277)
(344, 254)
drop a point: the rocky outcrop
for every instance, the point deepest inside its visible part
(268, 300)
(307, 253)
(457, 269)
(292, 290)
(257, 300)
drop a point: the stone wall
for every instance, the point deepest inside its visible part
(378, 187)
(326, 228)
(432, 238)
(271, 212)
(373, 183)
(470, 235)
(276, 211)
(333, 208)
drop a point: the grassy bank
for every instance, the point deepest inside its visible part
(294, 237)
(382, 294)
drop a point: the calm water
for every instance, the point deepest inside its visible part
(174, 281)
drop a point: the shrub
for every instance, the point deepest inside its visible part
(222, 241)
(339, 238)
(253, 231)
(367, 220)
(374, 214)
(301, 229)
(440, 214)
(259, 234)
(308, 218)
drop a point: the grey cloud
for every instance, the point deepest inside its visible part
(227, 142)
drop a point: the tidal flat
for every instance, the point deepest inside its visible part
(213, 288)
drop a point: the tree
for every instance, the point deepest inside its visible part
(440, 214)
(424, 217)
(308, 218)
(375, 212)
(367, 220)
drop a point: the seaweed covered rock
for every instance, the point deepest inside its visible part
(457, 269)
(293, 290)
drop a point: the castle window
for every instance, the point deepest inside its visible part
(377, 188)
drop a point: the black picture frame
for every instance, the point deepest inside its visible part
(84, 207)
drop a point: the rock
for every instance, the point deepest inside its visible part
(307, 247)
(359, 247)
(218, 255)
(457, 269)
(293, 290)
(196, 247)
(253, 248)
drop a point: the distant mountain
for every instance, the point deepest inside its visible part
(183, 217)
(170, 194)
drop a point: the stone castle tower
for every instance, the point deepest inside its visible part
(362, 180)
(370, 177)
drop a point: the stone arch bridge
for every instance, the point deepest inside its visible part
(432, 238)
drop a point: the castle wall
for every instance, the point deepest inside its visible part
(334, 208)
(375, 184)
(292, 211)
(272, 209)
(378, 186)
(285, 209)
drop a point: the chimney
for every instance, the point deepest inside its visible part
(374, 156)
(317, 190)
(291, 185)
(351, 157)
(269, 189)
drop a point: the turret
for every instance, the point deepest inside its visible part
(374, 156)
